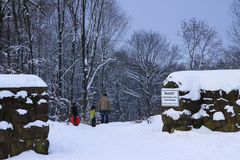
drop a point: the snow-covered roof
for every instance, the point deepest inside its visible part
(212, 80)
(20, 80)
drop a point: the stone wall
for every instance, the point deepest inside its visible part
(23, 117)
(217, 110)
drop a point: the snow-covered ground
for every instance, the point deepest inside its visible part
(135, 141)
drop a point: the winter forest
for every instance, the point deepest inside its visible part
(77, 48)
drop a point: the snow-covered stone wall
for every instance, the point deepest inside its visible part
(211, 97)
(23, 115)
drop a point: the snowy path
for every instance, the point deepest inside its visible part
(129, 141)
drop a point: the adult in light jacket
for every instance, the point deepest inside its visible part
(104, 106)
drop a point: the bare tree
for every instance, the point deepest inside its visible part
(113, 27)
(94, 18)
(151, 55)
(201, 43)
(61, 7)
(234, 31)
(232, 53)
(73, 7)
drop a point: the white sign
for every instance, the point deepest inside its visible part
(170, 97)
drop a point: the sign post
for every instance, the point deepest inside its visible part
(170, 97)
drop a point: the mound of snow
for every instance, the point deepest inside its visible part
(41, 101)
(175, 115)
(5, 125)
(218, 116)
(37, 123)
(21, 94)
(29, 101)
(22, 111)
(200, 114)
(230, 110)
(6, 94)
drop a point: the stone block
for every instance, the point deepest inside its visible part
(170, 84)
(214, 125)
(167, 128)
(184, 120)
(20, 119)
(197, 123)
(1, 114)
(192, 106)
(183, 93)
(6, 135)
(236, 108)
(238, 118)
(42, 117)
(16, 148)
(41, 146)
(8, 109)
(229, 127)
(168, 120)
(233, 95)
(24, 133)
(207, 101)
(41, 109)
(40, 132)
(220, 104)
(4, 150)
(211, 94)
(29, 145)
(183, 128)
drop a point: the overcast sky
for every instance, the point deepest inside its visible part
(165, 16)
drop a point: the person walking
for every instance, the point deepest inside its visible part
(104, 106)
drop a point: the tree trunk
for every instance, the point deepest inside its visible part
(85, 63)
(61, 14)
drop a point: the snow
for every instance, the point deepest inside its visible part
(201, 113)
(238, 102)
(212, 80)
(175, 115)
(20, 80)
(44, 94)
(21, 94)
(21, 111)
(207, 99)
(217, 116)
(230, 109)
(34, 94)
(135, 141)
(206, 106)
(36, 123)
(5, 125)
(29, 101)
(6, 94)
(42, 101)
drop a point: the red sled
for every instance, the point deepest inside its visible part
(75, 120)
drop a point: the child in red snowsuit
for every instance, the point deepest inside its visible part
(75, 118)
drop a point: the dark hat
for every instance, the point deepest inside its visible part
(93, 107)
